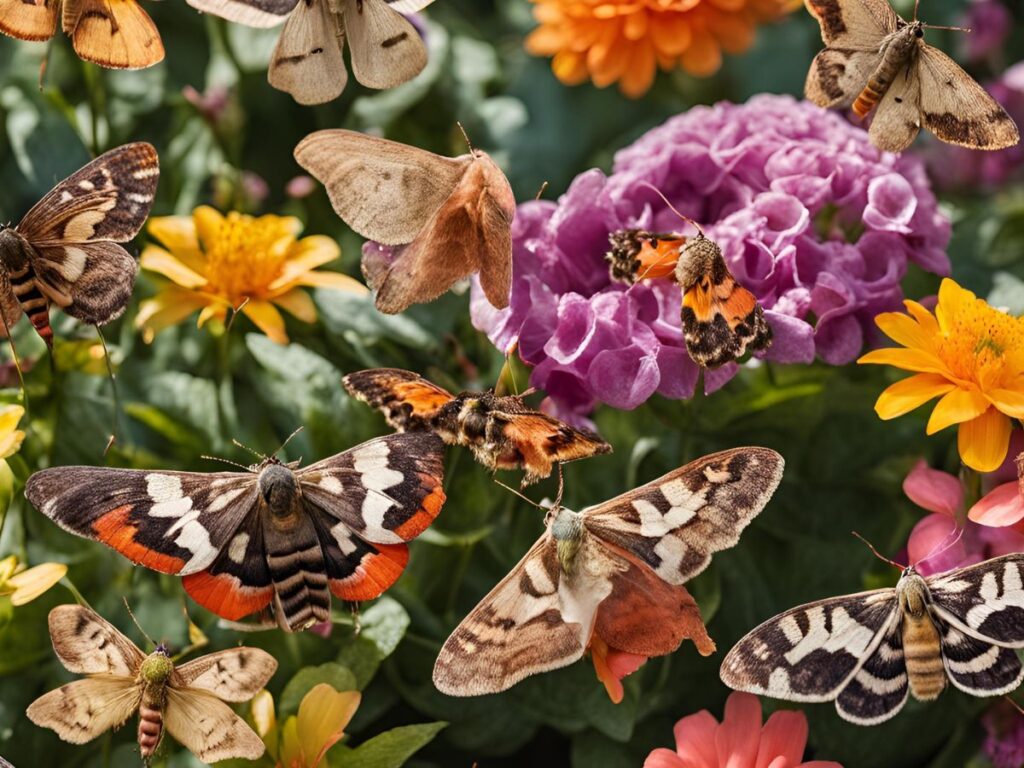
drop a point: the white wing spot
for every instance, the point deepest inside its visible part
(330, 483)
(237, 547)
(221, 501)
(87, 185)
(343, 536)
(73, 265)
(371, 462)
(846, 635)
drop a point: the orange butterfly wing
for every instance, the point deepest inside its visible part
(28, 20)
(113, 33)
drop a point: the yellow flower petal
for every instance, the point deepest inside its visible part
(907, 359)
(267, 319)
(10, 438)
(177, 234)
(1008, 401)
(334, 280)
(905, 331)
(7, 568)
(30, 584)
(925, 318)
(217, 310)
(955, 407)
(170, 266)
(910, 393)
(167, 308)
(984, 441)
(208, 222)
(290, 755)
(306, 255)
(323, 715)
(263, 714)
(299, 304)
(10, 443)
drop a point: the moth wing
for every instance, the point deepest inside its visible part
(107, 200)
(853, 24)
(384, 190)
(87, 644)
(470, 232)
(113, 33)
(386, 48)
(307, 61)
(29, 21)
(978, 667)
(897, 119)
(985, 601)
(236, 674)
(409, 6)
(208, 727)
(81, 710)
(721, 321)
(879, 688)
(518, 629)
(675, 523)
(810, 653)
(957, 109)
(838, 75)
(407, 400)
(92, 282)
(252, 13)
(10, 309)
(171, 522)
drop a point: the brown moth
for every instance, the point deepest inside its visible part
(876, 61)
(112, 33)
(65, 250)
(186, 701)
(446, 217)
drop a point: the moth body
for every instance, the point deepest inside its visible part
(898, 52)
(567, 531)
(700, 260)
(154, 675)
(922, 645)
(16, 254)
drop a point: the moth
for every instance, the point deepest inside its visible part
(868, 651)
(386, 49)
(614, 570)
(446, 217)
(501, 430)
(876, 62)
(112, 33)
(721, 320)
(120, 680)
(278, 536)
(65, 251)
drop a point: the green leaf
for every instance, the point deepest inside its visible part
(383, 626)
(390, 749)
(335, 675)
(357, 319)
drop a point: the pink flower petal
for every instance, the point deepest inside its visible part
(695, 740)
(933, 489)
(933, 546)
(784, 737)
(820, 764)
(1001, 507)
(738, 735)
(621, 663)
(664, 758)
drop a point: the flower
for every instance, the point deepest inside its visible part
(811, 217)
(627, 42)
(10, 436)
(739, 741)
(969, 355)
(303, 739)
(1004, 740)
(1003, 504)
(612, 665)
(218, 263)
(989, 22)
(23, 585)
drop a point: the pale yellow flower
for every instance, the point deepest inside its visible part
(217, 264)
(302, 740)
(25, 585)
(10, 437)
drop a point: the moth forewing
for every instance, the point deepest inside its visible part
(28, 21)
(118, 34)
(386, 49)
(252, 13)
(307, 61)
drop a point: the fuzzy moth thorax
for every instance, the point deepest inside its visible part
(279, 490)
(157, 668)
(699, 259)
(14, 250)
(567, 531)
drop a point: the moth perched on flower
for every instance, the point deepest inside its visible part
(610, 579)
(65, 250)
(500, 430)
(120, 680)
(277, 538)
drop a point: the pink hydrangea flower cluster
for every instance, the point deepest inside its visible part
(812, 218)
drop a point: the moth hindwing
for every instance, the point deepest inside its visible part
(121, 680)
(279, 536)
(868, 652)
(65, 250)
(615, 572)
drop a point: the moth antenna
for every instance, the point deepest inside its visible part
(287, 440)
(465, 135)
(136, 622)
(226, 461)
(528, 391)
(541, 191)
(357, 622)
(917, 3)
(687, 219)
(113, 390)
(954, 29)
(1013, 704)
(234, 314)
(17, 364)
(942, 546)
(878, 554)
(522, 496)
(254, 452)
(561, 488)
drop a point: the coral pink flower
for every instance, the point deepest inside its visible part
(738, 741)
(1003, 505)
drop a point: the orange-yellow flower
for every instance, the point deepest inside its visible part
(23, 585)
(625, 41)
(217, 264)
(969, 355)
(303, 740)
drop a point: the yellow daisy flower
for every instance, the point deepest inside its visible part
(969, 355)
(25, 585)
(219, 263)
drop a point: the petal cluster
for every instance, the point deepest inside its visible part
(812, 218)
(626, 41)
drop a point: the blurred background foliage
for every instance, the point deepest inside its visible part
(225, 138)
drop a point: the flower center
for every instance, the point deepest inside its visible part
(247, 255)
(983, 345)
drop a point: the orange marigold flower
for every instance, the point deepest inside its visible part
(625, 41)
(219, 263)
(969, 355)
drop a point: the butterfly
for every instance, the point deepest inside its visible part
(307, 62)
(501, 431)
(112, 33)
(614, 571)
(876, 61)
(868, 651)
(721, 320)
(448, 217)
(65, 250)
(120, 680)
(277, 536)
